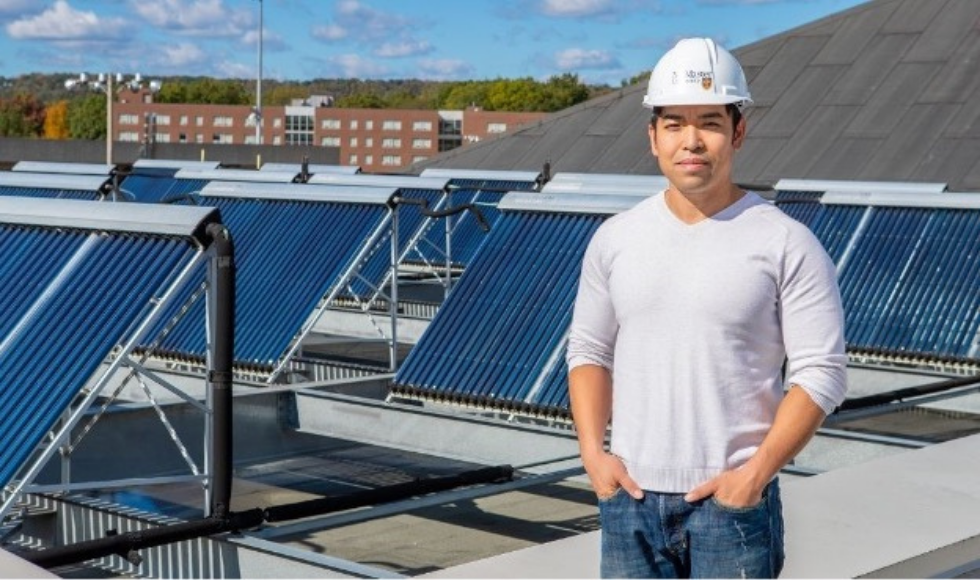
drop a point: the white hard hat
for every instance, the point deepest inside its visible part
(697, 72)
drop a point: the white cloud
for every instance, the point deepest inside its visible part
(576, 8)
(402, 49)
(387, 35)
(579, 58)
(270, 40)
(182, 55)
(444, 69)
(356, 66)
(195, 17)
(330, 32)
(62, 22)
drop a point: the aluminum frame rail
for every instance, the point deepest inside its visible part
(497, 341)
(53, 185)
(298, 247)
(85, 281)
(102, 169)
(908, 266)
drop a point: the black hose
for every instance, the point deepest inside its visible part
(441, 213)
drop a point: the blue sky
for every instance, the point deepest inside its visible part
(603, 41)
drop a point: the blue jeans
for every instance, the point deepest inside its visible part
(663, 536)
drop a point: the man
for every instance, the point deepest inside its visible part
(689, 304)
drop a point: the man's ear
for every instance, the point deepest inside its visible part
(738, 136)
(652, 132)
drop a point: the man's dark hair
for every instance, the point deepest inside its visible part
(733, 111)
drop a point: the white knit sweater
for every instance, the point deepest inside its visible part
(695, 321)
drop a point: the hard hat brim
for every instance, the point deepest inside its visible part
(706, 99)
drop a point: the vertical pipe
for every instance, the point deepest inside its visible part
(220, 375)
(108, 120)
(393, 293)
(449, 244)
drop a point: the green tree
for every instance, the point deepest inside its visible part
(515, 95)
(86, 117)
(284, 95)
(21, 116)
(56, 120)
(563, 91)
(465, 94)
(360, 101)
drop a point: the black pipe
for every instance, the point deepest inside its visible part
(321, 506)
(220, 375)
(904, 393)
(126, 545)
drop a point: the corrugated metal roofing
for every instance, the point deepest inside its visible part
(71, 295)
(886, 90)
(498, 338)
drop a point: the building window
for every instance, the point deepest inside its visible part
(129, 136)
(221, 138)
(129, 119)
(277, 140)
(299, 123)
(330, 124)
(182, 138)
(352, 159)
(353, 124)
(330, 142)
(183, 120)
(393, 160)
(250, 139)
(299, 139)
(199, 121)
(369, 159)
(391, 126)
(353, 142)
(450, 127)
(277, 122)
(223, 121)
(161, 137)
(422, 126)
(199, 138)
(369, 125)
(391, 143)
(421, 143)
(369, 141)
(496, 127)
(162, 120)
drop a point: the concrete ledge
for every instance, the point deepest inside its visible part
(913, 514)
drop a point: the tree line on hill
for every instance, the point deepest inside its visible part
(40, 105)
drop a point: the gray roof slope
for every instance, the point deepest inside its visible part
(885, 91)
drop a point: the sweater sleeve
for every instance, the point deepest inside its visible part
(592, 336)
(813, 321)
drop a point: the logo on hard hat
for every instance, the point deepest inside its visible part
(706, 83)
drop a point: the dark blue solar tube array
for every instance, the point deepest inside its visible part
(157, 189)
(49, 193)
(911, 285)
(68, 299)
(493, 338)
(289, 254)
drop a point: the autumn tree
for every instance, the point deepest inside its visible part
(21, 116)
(56, 121)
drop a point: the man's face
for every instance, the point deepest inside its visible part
(694, 145)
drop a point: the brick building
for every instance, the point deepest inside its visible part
(376, 140)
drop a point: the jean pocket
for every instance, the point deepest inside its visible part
(736, 509)
(611, 496)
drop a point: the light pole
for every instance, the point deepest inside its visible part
(258, 88)
(104, 83)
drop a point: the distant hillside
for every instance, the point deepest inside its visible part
(500, 94)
